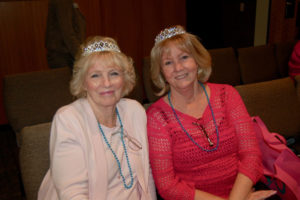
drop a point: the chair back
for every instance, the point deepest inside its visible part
(225, 66)
(258, 64)
(32, 98)
(276, 103)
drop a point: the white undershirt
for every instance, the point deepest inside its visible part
(116, 189)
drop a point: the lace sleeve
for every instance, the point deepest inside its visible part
(250, 163)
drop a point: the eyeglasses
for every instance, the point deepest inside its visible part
(201, 127)
(132, 142)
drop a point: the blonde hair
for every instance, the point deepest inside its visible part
(84, 61)
(186, 42)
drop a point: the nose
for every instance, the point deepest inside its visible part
(178, 66)
(106, 81)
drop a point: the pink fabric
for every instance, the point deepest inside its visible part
(294, 62)
(179, 166)
(280, 163)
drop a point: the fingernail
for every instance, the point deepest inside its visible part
(274, 192)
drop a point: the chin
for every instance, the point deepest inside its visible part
(185, 85)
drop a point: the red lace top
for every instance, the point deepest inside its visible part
(179, 166)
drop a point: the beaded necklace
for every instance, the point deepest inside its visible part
(114, 154)
(190, 137)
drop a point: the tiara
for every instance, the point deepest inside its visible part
(101, 46)
(169, 32)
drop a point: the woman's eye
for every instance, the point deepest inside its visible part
(94, 75)
(185, 57)
(167, 62)
(114, 73)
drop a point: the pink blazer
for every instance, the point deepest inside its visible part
(78, 167)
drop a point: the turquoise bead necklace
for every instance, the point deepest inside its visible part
(115, 155)
(190, 137)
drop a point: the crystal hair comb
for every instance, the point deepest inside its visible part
(101, 46)
(168, 33)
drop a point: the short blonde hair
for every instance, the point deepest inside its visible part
(186, 42)
(84, 61)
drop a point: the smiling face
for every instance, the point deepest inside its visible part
(179, 68)
(104, 84)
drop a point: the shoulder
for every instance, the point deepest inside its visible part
(72, 111)
(69, 108)
(223, 92)
(157, 104)
(76, 119)
(70, 120)
(130, 104)
(130, 107)
(157, 109)
(221, 88)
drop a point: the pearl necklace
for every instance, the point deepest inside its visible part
(115, 155)
(206, 135)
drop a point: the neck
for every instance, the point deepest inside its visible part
(186, 96)
(106, 116)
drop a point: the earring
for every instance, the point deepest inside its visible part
(199, 70)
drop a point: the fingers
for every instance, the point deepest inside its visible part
(261, 194)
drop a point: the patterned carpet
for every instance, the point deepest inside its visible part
(10, 184)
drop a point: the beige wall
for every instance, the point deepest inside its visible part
(261, 22)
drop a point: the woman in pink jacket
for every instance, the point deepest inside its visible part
(98, 143)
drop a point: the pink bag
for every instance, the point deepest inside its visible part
(281, 165)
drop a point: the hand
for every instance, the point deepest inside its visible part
(260, 194)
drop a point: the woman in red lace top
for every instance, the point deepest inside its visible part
(201, 140)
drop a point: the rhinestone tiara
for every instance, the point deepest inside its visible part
(101, 46)
(168, 33)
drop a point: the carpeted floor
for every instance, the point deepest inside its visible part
(10, 184)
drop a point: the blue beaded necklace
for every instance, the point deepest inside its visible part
(190, 137)
(115, 155)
